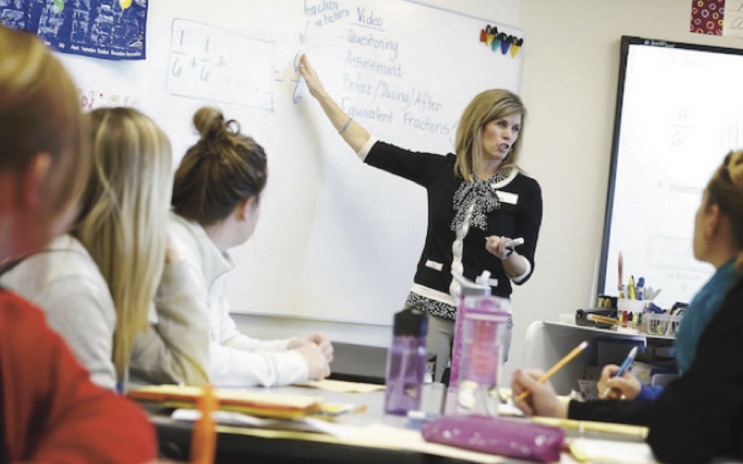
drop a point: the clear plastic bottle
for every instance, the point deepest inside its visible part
(476, 351)
(406, 362)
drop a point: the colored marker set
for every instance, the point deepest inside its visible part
(500, 40)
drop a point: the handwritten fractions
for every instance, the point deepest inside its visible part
(210, 63)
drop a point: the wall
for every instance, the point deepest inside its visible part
(569, 82)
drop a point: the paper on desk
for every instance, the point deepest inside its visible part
(342, 386)
(305, 424)
(608, 451)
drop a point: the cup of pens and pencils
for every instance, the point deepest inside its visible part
(634, 299)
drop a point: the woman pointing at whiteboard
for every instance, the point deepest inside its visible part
(478, 200)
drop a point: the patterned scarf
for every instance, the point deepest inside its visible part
(482, 195)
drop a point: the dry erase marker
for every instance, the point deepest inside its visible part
(514, 242)
(625, 365)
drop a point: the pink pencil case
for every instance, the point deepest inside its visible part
(494, 435)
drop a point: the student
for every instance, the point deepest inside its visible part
(703, 307)
(700, 415)
(478, 200)
(97, 283)
(50, 411)
(216, 197)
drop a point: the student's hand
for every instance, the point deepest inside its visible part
(172, 252)
(317, 364)
(319, 339)
(627, 386)
(542, 401)
(314, 85)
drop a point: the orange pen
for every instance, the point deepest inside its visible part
(204, 437)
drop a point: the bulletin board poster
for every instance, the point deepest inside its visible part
(109, 29)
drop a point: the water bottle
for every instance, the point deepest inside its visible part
(406, 362)
(476, 352)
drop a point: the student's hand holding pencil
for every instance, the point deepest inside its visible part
(625, 386)
(542, 399)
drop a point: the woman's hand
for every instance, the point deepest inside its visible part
(627, 386)
(542, 401)
(314, 85)
(497, 246)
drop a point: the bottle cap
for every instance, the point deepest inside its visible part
(480, 287)
(411, 321)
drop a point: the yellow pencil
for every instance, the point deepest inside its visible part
(569, 357)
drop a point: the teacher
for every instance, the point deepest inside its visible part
(478, 200)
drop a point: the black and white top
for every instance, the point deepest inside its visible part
(460, 216)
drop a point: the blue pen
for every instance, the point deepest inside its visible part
(625, 365)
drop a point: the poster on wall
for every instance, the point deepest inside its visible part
(110, 29)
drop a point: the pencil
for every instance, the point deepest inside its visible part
(559, 365)
(204, 436)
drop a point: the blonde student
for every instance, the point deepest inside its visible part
(50, 411)
(216, 201)
(97, 284)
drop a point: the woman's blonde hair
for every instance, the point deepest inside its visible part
(40, 113)
(487, 106)
(222, 169)
(725, 189)
(123, 221)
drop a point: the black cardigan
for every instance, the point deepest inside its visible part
(521, 217)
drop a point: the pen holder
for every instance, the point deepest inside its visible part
(632, 306)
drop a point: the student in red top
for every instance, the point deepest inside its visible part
(49, 409)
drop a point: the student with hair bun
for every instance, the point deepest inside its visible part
(216, 200)
(698, 417)
(50, 411)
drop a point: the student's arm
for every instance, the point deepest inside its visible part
(175, 349)
(352, 132)
(52, 411)
(233, 367)
(82, 312)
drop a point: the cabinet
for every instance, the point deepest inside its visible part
(547, 342)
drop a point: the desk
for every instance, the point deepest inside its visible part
(358, 363)
(237, 444)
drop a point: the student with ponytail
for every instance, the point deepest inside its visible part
(216, 200)
(699, 416)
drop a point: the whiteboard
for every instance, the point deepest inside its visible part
(680, 111)
(337, 240)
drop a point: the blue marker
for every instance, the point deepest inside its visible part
(640, 292)
(625, 365)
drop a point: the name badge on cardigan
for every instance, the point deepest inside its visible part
(507, 197)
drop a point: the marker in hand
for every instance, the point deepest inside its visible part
(625, 365)
(514, 242)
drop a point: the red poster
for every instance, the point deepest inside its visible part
(706, 16)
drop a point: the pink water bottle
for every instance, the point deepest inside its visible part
(476, 351)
